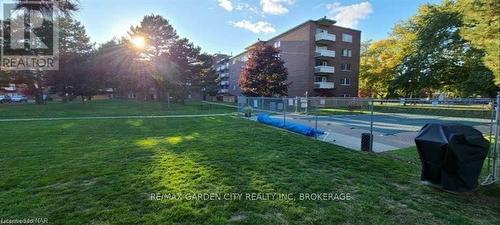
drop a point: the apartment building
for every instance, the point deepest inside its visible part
(322, 60)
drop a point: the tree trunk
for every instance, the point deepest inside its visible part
(168, 99)
(38, 92)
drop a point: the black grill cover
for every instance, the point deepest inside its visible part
(452, 155)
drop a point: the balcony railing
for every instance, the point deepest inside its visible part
(221, 68)
(324, 36)
(325, 53)
(223, 75)
(224, 82)
(324, 85)
(324, 69)
(223, 91)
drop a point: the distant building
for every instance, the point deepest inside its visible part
(222, 70)
(322, 60)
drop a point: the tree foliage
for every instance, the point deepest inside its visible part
(427, 54)
(75, 76)
(264, 74)
(378, 67)
(168, 64)
(481, 28)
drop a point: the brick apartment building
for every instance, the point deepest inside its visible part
(322, 60)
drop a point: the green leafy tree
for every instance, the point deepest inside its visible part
(379, 61)
(439, 58)
(481, 28)
(264, 74)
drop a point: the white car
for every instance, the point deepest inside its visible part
(19, 98)
(4, 99)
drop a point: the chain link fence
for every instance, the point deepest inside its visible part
(392, 123)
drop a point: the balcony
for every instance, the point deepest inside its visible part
(221, 68)
(223, 91)
(324, 69)
(325, 38)
(224, 82)
(223, 75)
(324, 85)
(322, 53)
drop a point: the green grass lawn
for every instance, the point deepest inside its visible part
(104, 172)
(107, 108)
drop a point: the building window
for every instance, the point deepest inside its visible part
(347, 52)
(277, 44)
(346, 38)
(345, 81)
(346, 95)
(345, 67)
(234, 61)
(321, 31)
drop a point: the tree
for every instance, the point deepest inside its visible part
(378, 67)
(160, 36)
(206, 77)
(439, 58)
(264, 74)
(185, 55)
(36, 79)
(481, 28)
(64, 6)
(75, 76)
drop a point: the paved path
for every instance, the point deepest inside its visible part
(112, 117)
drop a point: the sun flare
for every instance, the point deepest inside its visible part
(138, 42)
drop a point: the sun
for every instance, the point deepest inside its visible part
(138, 42)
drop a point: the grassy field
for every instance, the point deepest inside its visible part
(107, 108)
(104, 172)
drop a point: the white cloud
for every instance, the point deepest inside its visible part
(257, 27)
(349, 15)
(226, 4)
(276, 7)
(246, 7)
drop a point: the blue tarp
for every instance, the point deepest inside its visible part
(294, 127)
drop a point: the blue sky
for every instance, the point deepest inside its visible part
(228, 26)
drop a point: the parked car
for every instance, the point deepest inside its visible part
(19, 98)
(5, 99)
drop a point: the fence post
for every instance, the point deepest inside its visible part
(296, 103)
(492, 177)
(262, 103)
(284, 110)
(315, 121)
(497, 131)
(371, 125)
